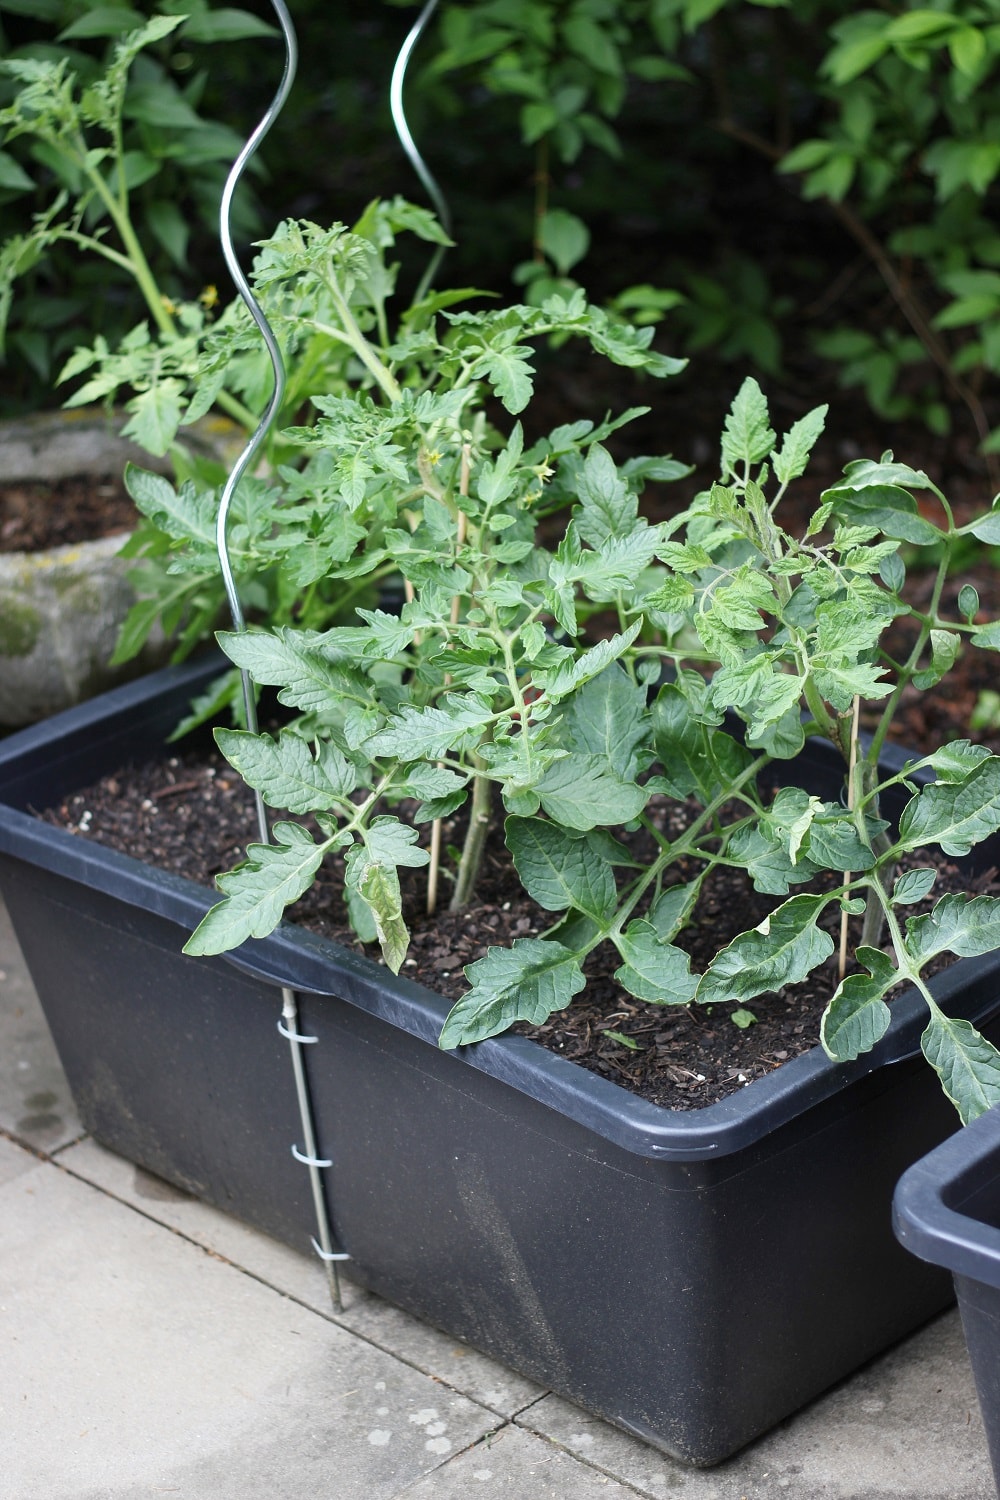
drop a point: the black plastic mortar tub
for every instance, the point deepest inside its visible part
(692, 1277)
(947, 1210)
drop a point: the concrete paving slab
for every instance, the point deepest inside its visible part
(35, 1102)
(132, 1363)
(302, 1277)
(905, 1428)
(478, 1377)
(14, 1161)
(298, 1275)
(518, 1466)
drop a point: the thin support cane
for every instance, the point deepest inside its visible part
(288, 1026)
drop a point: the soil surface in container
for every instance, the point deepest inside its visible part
(191, 814)
(36, 515)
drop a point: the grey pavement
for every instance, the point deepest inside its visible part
(152, 1346)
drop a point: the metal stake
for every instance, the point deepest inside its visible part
(410, 146)
(289, 1023)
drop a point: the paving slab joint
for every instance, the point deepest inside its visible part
(25, 1145)
(57, 1150)
(480, 1442)
(528, 1405)
(628, 1486)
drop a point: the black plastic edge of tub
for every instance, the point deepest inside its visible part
(291, 956)
(929, 1207)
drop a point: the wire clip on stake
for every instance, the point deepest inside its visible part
(310, 1161)
(329, 1255)
(289, 1023)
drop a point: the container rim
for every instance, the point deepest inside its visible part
(313, 965)
(931, 1212)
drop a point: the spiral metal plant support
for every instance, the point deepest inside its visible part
(409, 145)
(288, 1025)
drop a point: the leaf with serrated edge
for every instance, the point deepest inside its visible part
(748, 437)
(790, 462)
(833, 844)
(607, 507)
(378, 886)
(590, 664)
(509, 373)
(891, 509)
(258, 891)
(913, 885)
(285, 773)
(290, 660)
(966, 1063)
(525, 982)
(495, 480)
(782, 950)
(956, 816)
(691, 755)
(583, 791)
(430, 732)
(155, 416)
(767, 861)
(608, 718)
(957, 924)
(181, 513)
(737, 603)
(957, 760)
(857, 1016)
(431, 783)
(558, 869)
(389, 841)
(654, 970)
(671, 909)
(841, 682)
(673, 596)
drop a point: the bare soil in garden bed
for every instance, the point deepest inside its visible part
(36, 515)
(191, 814)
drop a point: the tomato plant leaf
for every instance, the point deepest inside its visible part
(525, 982)
(782, 950)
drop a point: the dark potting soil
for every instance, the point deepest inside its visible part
(192, 815)
(36, 515)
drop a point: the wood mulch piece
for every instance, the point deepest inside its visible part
(35, 515)
(192, 815)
